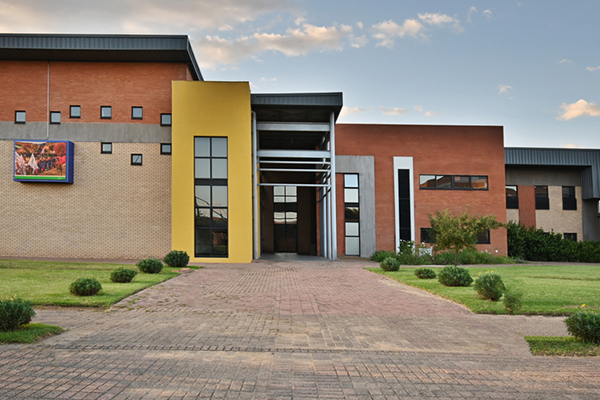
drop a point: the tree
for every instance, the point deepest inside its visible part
(458, 232)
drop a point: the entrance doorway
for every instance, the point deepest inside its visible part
(285, 219)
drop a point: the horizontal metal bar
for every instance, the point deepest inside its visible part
(294, 184)
(293, 162)
(292, 170)
(295, 153)
(293, 126)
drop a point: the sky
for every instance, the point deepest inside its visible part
(532, 66)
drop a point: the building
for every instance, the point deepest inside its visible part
(120, 149)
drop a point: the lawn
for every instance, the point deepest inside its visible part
(561, 346)
(547, 289)
(46, 283)
(29, 333)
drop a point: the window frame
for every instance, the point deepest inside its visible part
(170, 119)
(102, 108)
(52, 115)
(351, 206)
(102, 151)
(74, 107)
(542, 200)
(512, 202)
(570, 236)
(165, 152)
(449, 182)
(137, 108)
(135, 161)
(19, 120)
(569, 202)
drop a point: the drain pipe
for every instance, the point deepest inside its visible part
(48, 102)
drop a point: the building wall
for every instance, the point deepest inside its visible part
(448, 150)
(213, 109)
(112, 210)
(558, 220)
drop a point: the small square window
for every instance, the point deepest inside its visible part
(483, 237)
(165, 148)
(106, 148)
(20, 117)
(106, 112)
(136, 159)
(570, 236)
(137, 113)
(55, 117)
(165, 119)
(75, 112)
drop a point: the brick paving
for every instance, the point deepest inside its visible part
(285, 330)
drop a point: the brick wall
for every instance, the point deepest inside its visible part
(113, 210)
(450, 150)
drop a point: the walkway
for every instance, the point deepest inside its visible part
(279, 330)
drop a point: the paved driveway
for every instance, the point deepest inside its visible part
(281, 330)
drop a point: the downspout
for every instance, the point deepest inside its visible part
(255, 240)
(48, 102)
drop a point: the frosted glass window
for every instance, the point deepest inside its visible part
(351, 228)
(352, 246)
(351, 180)
(351, 195)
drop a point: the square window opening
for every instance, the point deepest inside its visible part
(105, 112)
(165, 119)
(136, 159)
(75, 112)
(20, 117)
(137, 112)
(165, 148)
(106, 148)
(55, 117)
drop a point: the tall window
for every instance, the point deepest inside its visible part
(285, 218)
(542, 202)
(351, 215)
(211, 205)
(569, 200)
(512, 197)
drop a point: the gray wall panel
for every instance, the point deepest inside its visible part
(88, 132)
(542, 175)
(591, 227)
(364, 166)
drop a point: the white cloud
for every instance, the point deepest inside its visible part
(387, 31)
(352, 110)
(593, 68)
(487, 13)
(472, 11)
(565, 61)
(503, 89)
(264, 79)
(393, 111)
(441, 20)
(360, 25)
(421, 110)
(578, 109)
(430, 113)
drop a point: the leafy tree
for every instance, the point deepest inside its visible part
(457, 232)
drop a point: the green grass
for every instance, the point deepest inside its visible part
(46, 283)
(29, 333)
(561, 346)
(547, 290)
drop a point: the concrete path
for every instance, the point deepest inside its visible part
(281, 330)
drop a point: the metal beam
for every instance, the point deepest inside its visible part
(333, 189)
(292, 170)
(256, 239)
(294, 153)
(295, 184)
(293, 126)
(294, 162)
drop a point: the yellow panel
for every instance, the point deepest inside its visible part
(212, 109)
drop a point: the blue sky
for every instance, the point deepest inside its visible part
(532, 66)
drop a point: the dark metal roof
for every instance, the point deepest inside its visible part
(589, 158)
(296, 107)
(100, 48)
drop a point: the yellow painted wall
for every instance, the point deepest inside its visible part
(212, 109)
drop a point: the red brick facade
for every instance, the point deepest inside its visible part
(441, 150)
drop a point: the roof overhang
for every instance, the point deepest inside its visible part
(296, 107)
(100, 48)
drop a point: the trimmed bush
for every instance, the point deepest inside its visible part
(390, 264)
(454, 276)
(85, 287)
(512, 301)
(381, 255)
(425, 273)
(585, 326)
(490, 286)
(177, 259)
(150, 266)
(14, 313)
(122, 275)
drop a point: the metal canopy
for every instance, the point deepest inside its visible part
(296, 107)
(100, 48)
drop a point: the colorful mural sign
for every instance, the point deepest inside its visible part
(43, 161)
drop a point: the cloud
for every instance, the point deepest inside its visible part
(565, 61)
(420, 109)
(487, 13)
(387, 31)
(593, 68)
(264, 79)
(441, 20)
(578, 109)
(393, 111)
(352, 110)
(472, 11)
(430, 113)
(299, 41)
(503, 89)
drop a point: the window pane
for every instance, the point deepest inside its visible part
(351, 228)
(55, 117)
(203, 242)
(511, 191)
(105, 112)
(290, 191)
(541, 191)
(220, 239)
(351, 214)
(202, 196)
(219, 198)
(219, 168)
(202, 217)
(351, 180)
(219, 218)
(351, 195)
(279, 217)
(291, 199)
(568, 191)
(106, 148)
(279, 191)
(20, 116)
(202, 146)
(352, 246)
(202, 168)
(165, 119)
(479, 182)
(219, 147)
(279, 199)
(427, 181)
(443, 181)
(291, 217)
(463, 182)
(75, 112)
(136, 112)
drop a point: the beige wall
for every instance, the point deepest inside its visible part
(512, 215)
(113, 209)
(558, 220)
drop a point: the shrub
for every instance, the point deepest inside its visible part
(490, 286)
(177, 259)
(122, 275)
(454, 276)
(585, 326)
(390, 264)
(85, 287)
(512, 301)
(381, 255)
(13, 313)
(150, 266)
(425, 273)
